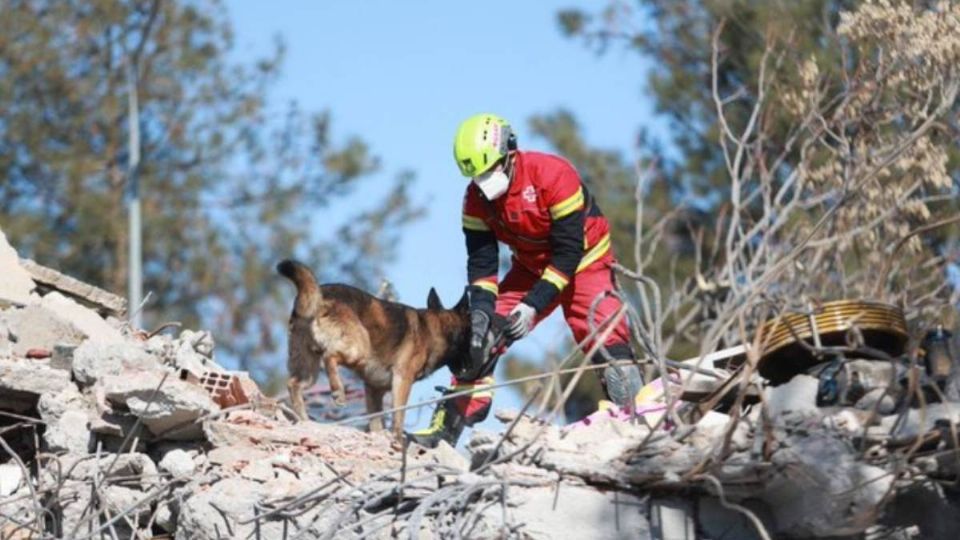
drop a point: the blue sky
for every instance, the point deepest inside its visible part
(402, 75)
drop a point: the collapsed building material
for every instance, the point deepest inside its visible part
(48, 279)
(150, 436)
(36, 327)
(16, 285)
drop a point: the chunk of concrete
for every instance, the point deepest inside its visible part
(798, 396)
(178, 463)
(168, 409)
(16, 285)
(94, 361)
(30, 379)
(447, 456)
(201, 342)
(216, 512)
(84, 319)
(573, 512)
(37, 327)
(11, 475)
(7, 339)
(89, 295)
(67, 416)
(821, 489)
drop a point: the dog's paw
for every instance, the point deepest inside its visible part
(340, 398)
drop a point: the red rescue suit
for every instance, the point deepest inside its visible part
(561, 248)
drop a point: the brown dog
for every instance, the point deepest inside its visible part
(389, 345)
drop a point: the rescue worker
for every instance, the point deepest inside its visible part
(536, 204)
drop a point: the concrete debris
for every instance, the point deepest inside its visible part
(90, 296)
(199, 342)
(37, 327)
(22, 382)
(89, 323)
(67, 418)
(129, 437)
(11, 476)
(16, 285)
(178, 463)
(94, 361)
(576, 512)
(7, 339)
(168, 406)
(799, 396)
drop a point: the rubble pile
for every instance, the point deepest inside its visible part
(108, 431)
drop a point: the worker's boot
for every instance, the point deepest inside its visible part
(621, 383)
(451, 416)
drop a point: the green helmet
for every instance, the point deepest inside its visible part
(481, 141)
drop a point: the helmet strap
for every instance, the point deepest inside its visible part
(508, 162)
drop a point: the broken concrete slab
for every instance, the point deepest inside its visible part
(218, 512)
(7, 339)
(16, 285)
(178, 463)
(39, 327)
(919, 421)
(112, 500)
(199, 342)
(576, 512)
(168, 406)
(67, 417)
(447, 456)
(29, 379)
(94, 361)
(85, 293)
(85, 320)
(11, 476)
(824, 491)
(799, 396)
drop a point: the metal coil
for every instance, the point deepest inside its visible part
(882, 326)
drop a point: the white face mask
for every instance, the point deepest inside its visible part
(493, 183)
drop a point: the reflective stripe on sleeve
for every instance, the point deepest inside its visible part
(472, 223)
(487, 284)
(567, 206)
(553, 276)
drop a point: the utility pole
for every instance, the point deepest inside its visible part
(135, 278)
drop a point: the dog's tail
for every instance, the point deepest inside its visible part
(309, 296)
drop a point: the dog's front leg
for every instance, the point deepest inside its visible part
(331, 362)
(401, 394)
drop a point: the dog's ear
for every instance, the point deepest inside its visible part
(463, 305)
(433, 300)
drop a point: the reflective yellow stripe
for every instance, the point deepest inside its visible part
(568, 205)
(474, 224)
(487, 285)
(597, 251)
(559, 280)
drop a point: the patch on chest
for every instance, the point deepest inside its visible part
(529, 194)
